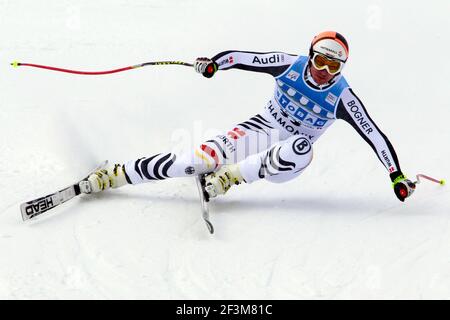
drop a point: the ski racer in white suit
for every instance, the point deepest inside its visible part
(276, 144)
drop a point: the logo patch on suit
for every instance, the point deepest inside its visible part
(331, 98)
(293, 75)
(301, 146)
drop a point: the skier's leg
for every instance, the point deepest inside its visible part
(246, 138)
(280, 163)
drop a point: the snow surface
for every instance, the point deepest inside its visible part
(335, 232)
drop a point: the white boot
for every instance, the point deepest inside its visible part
(109, 177)
(219, 182)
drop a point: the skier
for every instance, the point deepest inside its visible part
(276, 144)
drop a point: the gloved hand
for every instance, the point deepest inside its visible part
(403, 187)
(205, 66)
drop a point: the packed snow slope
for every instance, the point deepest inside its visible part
(335, 232)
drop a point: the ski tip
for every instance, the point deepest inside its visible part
(15, 64)
(209, 226)
(23, 211)
(442, 182)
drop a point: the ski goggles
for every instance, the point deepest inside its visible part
(321, 62)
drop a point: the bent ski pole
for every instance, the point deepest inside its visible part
(420, 175)
(17, 64)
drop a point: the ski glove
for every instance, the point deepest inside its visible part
(403, 187)
(205, 66)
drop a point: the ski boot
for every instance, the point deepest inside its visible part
(109, 177)
(220, 182)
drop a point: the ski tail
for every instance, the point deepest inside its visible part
(33, 208)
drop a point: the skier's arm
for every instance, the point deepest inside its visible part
(351, 109)
(273, 63)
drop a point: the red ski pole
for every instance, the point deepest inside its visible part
(16, 64)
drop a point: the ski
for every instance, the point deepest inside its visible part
(36, 207)
(204, 199)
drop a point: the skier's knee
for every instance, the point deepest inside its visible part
(209, 156)
(294, 155)
(302, 148)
